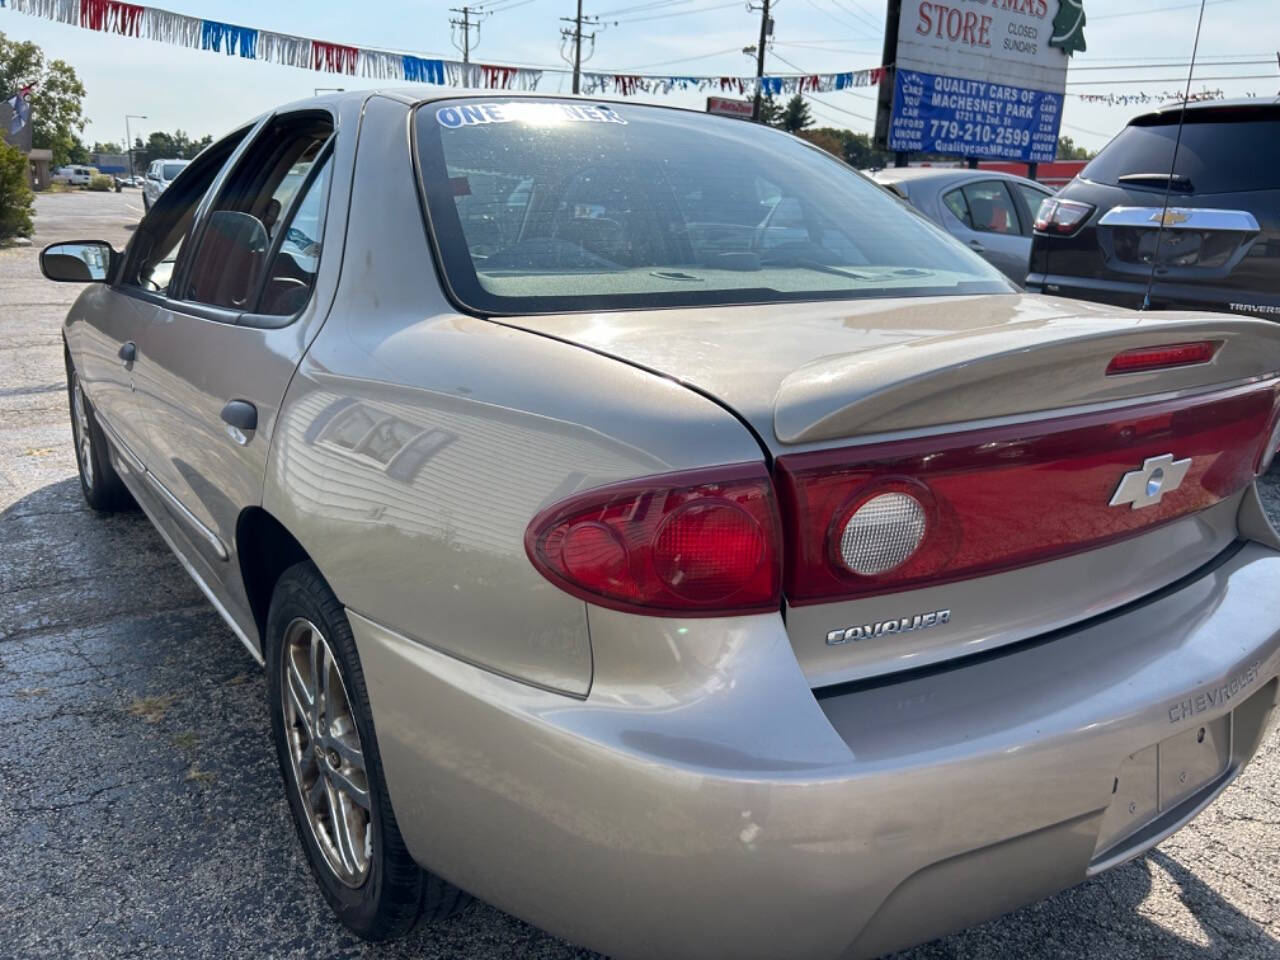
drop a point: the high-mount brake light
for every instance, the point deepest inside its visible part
(1165, 356)
(894, 516)
(1061, 217)
(700, 543)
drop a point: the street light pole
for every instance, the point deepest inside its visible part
(128, 138)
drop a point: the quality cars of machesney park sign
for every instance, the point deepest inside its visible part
(978, 78)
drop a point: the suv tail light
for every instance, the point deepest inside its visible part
(894, 516)
(701, 543)
(1061, 217)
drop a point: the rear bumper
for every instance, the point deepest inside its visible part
(720, 808)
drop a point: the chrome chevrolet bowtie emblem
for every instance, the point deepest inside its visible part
(1145, 487)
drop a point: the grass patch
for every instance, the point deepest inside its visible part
(152, 708)
(196, 775)
(186, 740)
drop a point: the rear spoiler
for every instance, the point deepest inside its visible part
(1019, 369)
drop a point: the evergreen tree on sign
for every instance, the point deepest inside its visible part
(1068, 27)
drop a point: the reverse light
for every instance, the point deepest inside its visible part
(880, 531)
(1165, 356)
(1061, 217)
(700, 543)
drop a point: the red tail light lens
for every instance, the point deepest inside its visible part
(1145, 359)
(1061, 217)
(702, 543)
(990, 500)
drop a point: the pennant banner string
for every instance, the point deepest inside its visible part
(165, 26)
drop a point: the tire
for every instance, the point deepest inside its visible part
(102, 487)
(382, 896)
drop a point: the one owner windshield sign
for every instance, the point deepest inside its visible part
(982, 78)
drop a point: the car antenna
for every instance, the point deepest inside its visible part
(1173, 162)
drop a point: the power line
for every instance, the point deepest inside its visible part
(663, 63)
(1136, 13)
(1121, 83)
(678, 13)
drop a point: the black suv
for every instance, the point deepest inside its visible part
(1220, 248)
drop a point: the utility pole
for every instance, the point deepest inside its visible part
(575, 36)
(766, 31)
(464, 26)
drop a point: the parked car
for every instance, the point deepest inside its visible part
(694, 559)
(1219, 248)
(76, 175)
(160, 173)
(990, 211)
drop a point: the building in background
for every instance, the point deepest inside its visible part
(16, 129)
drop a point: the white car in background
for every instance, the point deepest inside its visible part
(160, 174)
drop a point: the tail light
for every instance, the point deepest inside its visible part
(702, 543)
(1061, 217)
(894, 516)
(885, 517)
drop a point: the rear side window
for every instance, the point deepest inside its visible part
(1219, 153)
(542, 206)
(170, 170)
(954, 199)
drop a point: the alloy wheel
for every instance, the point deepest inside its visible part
(326, 754)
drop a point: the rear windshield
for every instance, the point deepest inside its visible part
(170, 170)
(1219, 153)
(548, 206)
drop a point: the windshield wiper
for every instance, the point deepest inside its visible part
(806, 264)
(1176, 181)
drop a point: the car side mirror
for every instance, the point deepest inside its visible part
(83, 261)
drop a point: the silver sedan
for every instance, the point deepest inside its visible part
(989, 211)
(696, 558)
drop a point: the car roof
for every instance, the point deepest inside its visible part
(1201, 107)
(941, 176)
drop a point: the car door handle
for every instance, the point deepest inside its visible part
(240, 414)
(129, 352)
(976, 247)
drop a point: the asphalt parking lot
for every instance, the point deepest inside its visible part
(140, 805)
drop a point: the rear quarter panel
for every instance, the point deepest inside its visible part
(416, 444)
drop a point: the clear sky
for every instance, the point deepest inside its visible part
(203, 92)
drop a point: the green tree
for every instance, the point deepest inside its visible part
(795, 115)
(109, 146)
(16, 199)
(769, 110)
(855, 149)
(1067, 150)
(56, 97)
(168, 146)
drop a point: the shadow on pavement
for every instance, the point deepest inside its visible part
(145, 815)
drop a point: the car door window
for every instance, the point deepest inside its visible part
(292, 274)
(242, 230)
(991, 208)
(160, 238)
(955, 202)
(1034, 198)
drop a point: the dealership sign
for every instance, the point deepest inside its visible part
(727, 107)
(979, 78)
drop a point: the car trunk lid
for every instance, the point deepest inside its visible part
(1002, 411)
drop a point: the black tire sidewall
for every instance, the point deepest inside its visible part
(107, 493)
(378, 909)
